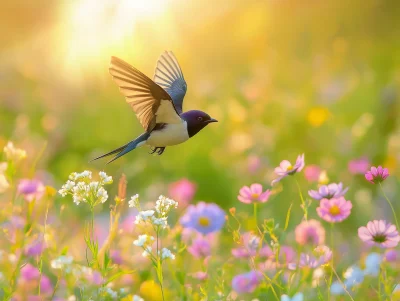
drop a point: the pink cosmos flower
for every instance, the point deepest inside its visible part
(45, 285)
(312, 172)
(310, 232)
(379, 233)
(247, 282)
(200, 248)
(31, 189)
(182, 191)
(358, 166)
(286, 168)
(377, 175)
(286, 256)
(253, 194)
(332, 190)
(334, 210)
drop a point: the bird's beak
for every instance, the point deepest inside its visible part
(212, 120)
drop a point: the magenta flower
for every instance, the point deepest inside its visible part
(334, 210)
(200, 248)
(379, 233)
(35, 248)
(377, 175)
(358, 166)
(204, 218)
(310, 232)
(29, 272)
(45, 285)
(182, 191)
(116, 257)
(286, 168)
(31, 189)
(200, 275)
(312, 172)
(253, 194)
(328, 191)
(253, 163)
(247, 282)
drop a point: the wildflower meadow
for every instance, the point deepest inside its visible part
(292, 196)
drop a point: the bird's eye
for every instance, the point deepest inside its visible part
(200, 118)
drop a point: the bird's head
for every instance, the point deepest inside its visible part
(196, 121)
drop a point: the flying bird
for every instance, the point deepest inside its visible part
(157, 104)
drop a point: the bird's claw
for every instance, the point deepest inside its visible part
(158, 150)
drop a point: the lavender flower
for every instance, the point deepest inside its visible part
(328, 191)
(247, 282)
(31, 189)
(203, 217)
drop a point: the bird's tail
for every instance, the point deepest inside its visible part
(120, 151)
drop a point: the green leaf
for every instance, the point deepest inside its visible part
(181, 277)
(288, 217)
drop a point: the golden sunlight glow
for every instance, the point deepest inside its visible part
(94, 28)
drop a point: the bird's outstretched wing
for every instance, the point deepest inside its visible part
(169, 75)
(151, 103)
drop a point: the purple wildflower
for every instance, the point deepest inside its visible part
(35, 248)
(247, 282)
(379, 233)
(253, 194)
(286, 168)
(377, 174)
(328, 191)
(358, 166)
(204, 218)
(31, 189)
(334, 210)
(29, 272)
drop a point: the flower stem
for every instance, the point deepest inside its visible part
(391, 206)
(331, 275)
(303, 203)
(159, 266)
(255, 214)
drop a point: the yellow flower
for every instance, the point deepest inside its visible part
(151, 291)
(317, 116)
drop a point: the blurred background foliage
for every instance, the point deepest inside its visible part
(282, 77)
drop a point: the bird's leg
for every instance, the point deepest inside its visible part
(160, 150)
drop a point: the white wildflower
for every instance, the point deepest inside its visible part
(143, 216)
(142, 240)
(14, 154)
(111, 293)
(164, 205)
(71, 298)
(80, 176)
(147, 251)
(62, 262)
(162, 221)
(66, 188)
(104, 178)
(137, 298)
(102, 195)
(134, 201)
(166, 253)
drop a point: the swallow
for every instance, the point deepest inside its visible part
(157, 104)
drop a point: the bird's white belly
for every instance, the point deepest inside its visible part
(172, 134)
